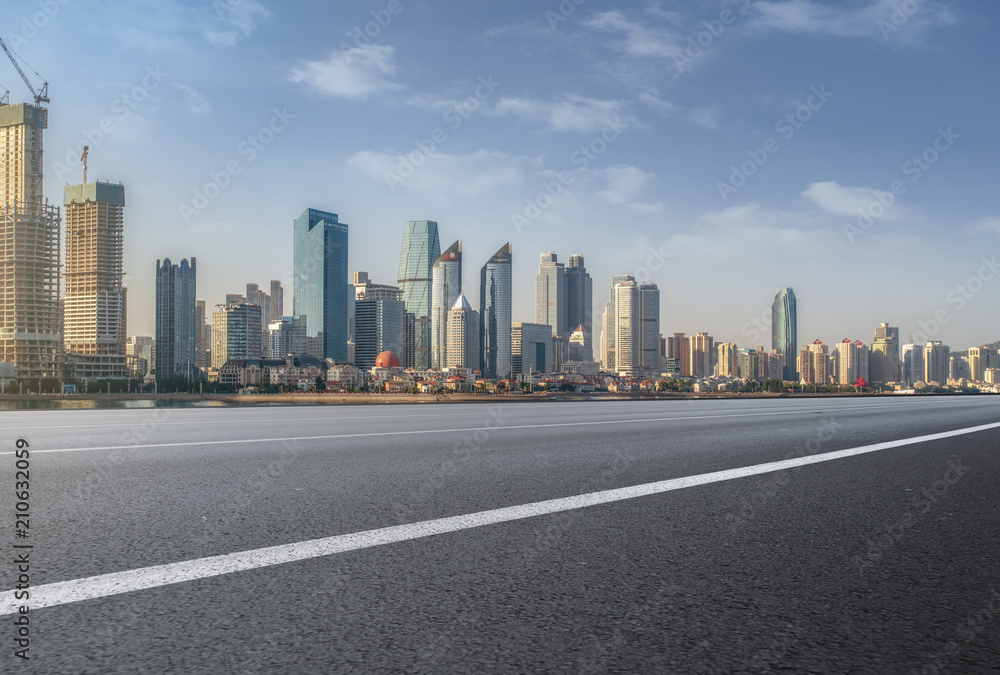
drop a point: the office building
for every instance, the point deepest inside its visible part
(379, 324)
(550, 295)
(176, 318)
(236, 334)
(749, 364)
(277, 304)
(463, 336)
(913, 363)
(321, 283)
(495, 293)
(784, 331)
(94, 305)
(580, 345)
(531, 348)
(421, 248)
(608, 326)
(628, 329)
(31, 331)
(579, 301)
(446, 286)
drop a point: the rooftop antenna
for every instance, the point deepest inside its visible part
(86, 152)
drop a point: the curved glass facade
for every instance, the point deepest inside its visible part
(785, 332)
(421, 248)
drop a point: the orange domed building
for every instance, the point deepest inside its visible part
(387, 360)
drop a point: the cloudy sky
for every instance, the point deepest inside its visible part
(723, 149)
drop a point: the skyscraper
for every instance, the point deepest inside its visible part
(608, 326)
(176, 318)
(885, 355)
(202, 335)
(495, 292)
(728, 362)
(530, 348)
(785, 331)
(937, 363)
(446, 286)
(550, 295)
(814, 363)
(579, 300)
(94, 306)
(628, 326)
(379, 324)
(321, 283)
(981, 359)
(848, 362)
(31, 330)
(463, 335)
(913, 363)
(679, 349)
(700, 352)
(649, 328)
(421, 248)
(277, 302)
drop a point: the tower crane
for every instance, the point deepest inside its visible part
(40, 96)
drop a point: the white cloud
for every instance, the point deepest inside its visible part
(624, 184)
(843, 200)
(571, 113)
(640, 40)
(880, 19)
(987, 224)
(236, 19)
(440, 175)
(194, 100)
(707, 117)
(646, 207)
(355, 73)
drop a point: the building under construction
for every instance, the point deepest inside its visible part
(30, 332)
(94, 306)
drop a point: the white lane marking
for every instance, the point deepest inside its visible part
(501, 427)
(104, 585)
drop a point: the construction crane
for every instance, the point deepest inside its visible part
(86, 153)
(40, 97)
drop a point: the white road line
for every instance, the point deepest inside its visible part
(104, 585)
(499, 427)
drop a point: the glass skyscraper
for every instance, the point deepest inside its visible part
(785, 332)
(176, 316)
(421, 248)
(495, 315)
(579, 299)
(446, 286)
(321, 283)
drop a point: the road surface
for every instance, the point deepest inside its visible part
(793, 535)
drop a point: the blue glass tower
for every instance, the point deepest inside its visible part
(785, 332)
(175, 318)
(321, 283)
(495, 316)
(421, 248)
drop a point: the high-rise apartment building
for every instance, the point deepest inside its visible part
(236, 334)
(982, 359)
(913, 363)
(495, 293)
(463, 335)
(937, 363)
(421, 248)
(321, 283)
(785, 330)
(885, 355)
(700, 351)
(446, 286)
(608, 327)
(727, 360)
(628, 329)
(848, 367)
(176, 318)
(94, 305)
(814, 363)
(678, 349)
(31, 329)
(579, 301)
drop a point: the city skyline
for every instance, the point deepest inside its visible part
(785, 225)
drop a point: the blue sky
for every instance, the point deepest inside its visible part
(728, 146)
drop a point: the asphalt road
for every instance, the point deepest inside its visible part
(883, 561)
